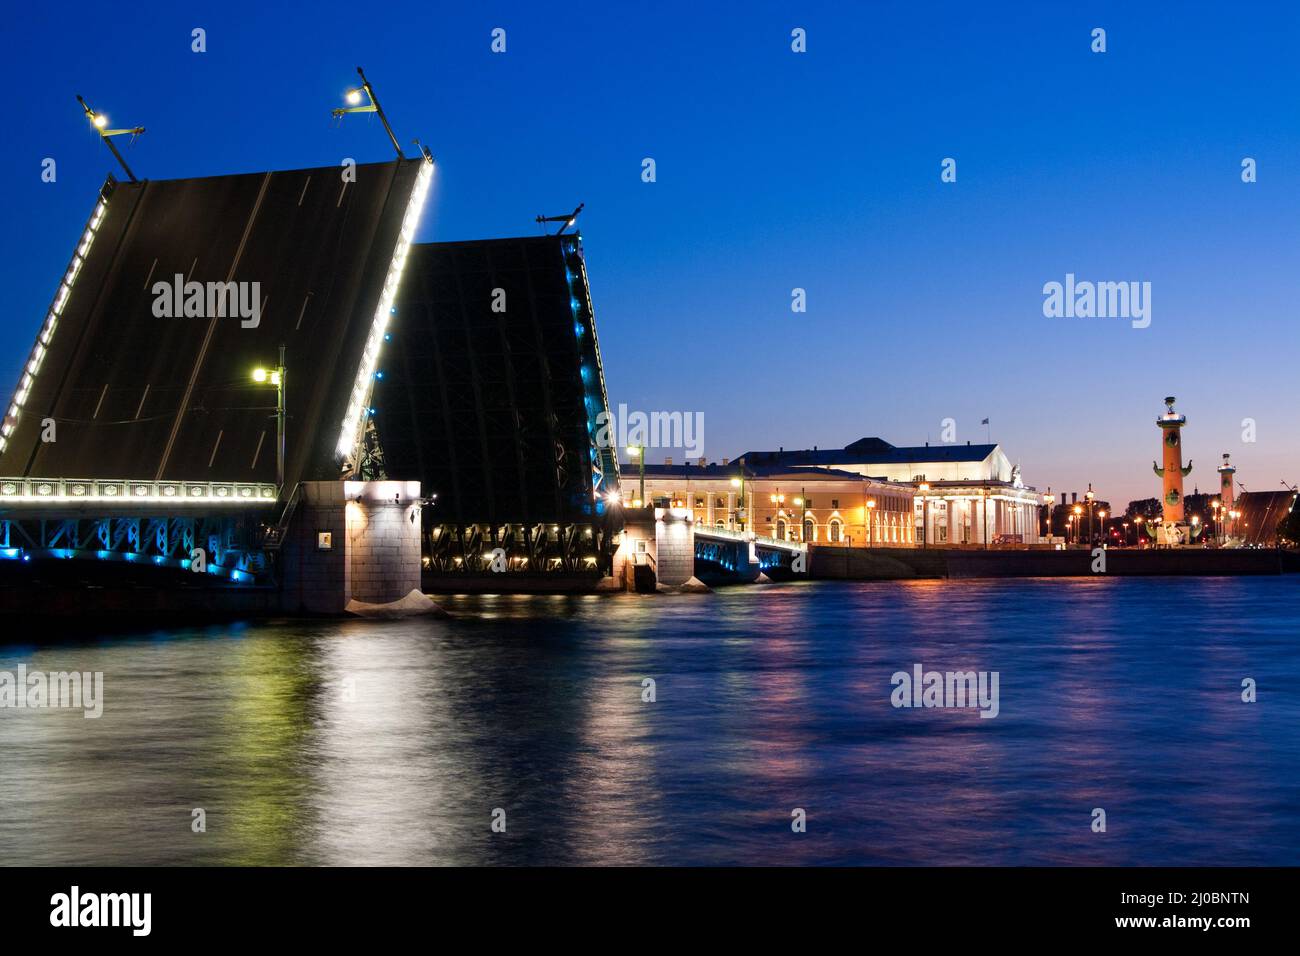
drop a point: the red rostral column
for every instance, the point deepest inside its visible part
(1226, 503)
(1171, 426)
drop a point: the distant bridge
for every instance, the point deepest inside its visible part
(723, 555)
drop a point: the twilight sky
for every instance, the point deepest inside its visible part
(775, 170)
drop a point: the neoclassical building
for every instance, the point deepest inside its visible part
(963, 494)
(823, 506)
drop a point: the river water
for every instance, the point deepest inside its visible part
(358, 742)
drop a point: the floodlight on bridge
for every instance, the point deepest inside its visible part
(353, 97)
(569, 219)
(100, 122)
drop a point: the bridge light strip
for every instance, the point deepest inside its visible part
(350, 436)
(37, 491)
(28, 378)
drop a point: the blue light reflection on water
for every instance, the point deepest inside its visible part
(351, 742)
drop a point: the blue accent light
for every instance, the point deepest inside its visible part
(11, 554)
(379, 375)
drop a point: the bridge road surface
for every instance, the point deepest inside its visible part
(143, 397)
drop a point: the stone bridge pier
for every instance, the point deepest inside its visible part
(662, 548)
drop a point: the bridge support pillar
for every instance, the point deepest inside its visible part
(675, 538)
(351, 540)
(658, 549)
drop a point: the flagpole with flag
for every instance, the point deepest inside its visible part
(988, 432)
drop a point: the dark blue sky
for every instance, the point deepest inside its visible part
(775, 170)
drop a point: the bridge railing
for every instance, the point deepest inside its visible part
(272, 535)
(702, 530)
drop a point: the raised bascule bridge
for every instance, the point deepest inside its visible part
(492, 394)
(137, 435)
(257, 392)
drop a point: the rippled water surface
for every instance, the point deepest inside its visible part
(355, 742)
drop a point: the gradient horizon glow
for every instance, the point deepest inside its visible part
(775, 171)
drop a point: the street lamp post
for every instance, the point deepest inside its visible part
(1049, 502)
(1091, 505)
(100, 122)
(1137, 524)
(638, 452)
(1102, 516)
(778, 499)
(1077, 522)
(277, 377)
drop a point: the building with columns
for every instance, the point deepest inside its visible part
(822, 506)
(963, 494)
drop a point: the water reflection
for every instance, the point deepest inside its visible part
(355, 742)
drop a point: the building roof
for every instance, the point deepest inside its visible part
(870, 451)
(732, 470)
